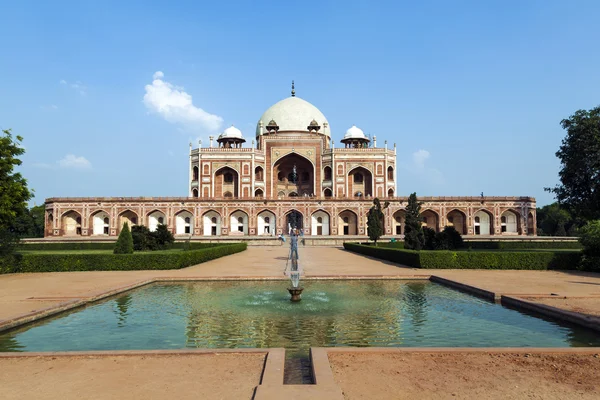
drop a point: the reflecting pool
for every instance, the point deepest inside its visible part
(244, 314)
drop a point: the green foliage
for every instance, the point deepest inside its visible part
(590, 240)
(143, 239)
(473, 259)
(405, 257)
(124, 243)
(448, 239)
(429, 238)
(163, 237)
(413, 231)
(521, 245)
(31, 223)
(579, 154)
(554, 220)
(14, 193)
(50, 262)
(100, 246)
(375, 220)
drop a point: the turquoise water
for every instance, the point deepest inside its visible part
(259, 314)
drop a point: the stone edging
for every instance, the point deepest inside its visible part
(588, 321)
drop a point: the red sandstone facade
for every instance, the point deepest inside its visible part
(292, 176)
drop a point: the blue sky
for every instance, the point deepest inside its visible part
(472, 92)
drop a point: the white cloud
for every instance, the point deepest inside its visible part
(50, 107)
(72, 161)
(419, 158)
(78, 86)
(176, 106)
(420, 169)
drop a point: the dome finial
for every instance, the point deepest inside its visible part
(293, 90)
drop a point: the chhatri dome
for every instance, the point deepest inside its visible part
(293, 114)
(354, 133)
(231, 133)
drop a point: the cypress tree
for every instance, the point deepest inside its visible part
(413, 231)
(124, 243)
(375, 220)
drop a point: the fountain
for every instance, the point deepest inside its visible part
(295, 290)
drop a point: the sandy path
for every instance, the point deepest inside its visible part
(466, 376)
(206, 376)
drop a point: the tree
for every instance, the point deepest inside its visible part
(375, 220)
(579, 153)
(448, 239)
(30, 223)
(163, 236)
(428, 238)
(590, 239)
(14, 193)
(413, 231)
(142, 238)
(554, 220)
(124, 243)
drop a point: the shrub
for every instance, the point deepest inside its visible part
(429, 236)
(124, 243)
(66, 246)
(472, 259)
(117, 262)
(590, 240)
(163, 237)
(448, 239)
(521, 245)
(142, 238)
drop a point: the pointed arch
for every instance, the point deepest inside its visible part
(226, 181)
(360, 181)
(266, 223)
(211, 223)
(398, 221)
(184, 222)
(71, 223)
(319, 223)
(238, 223)
(483, 222)
(510, 222)
(100, 222)
(431, 219)
(129, 217)
(457, 219)
(347, 223)
(155, 218)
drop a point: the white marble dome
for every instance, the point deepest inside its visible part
(293, 114)
(354, 133)
(231, 133)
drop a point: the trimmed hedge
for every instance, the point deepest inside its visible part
(520, 245)
(115, 262)
(440, 259)
(102, 246)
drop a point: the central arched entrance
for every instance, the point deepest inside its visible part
(293, 220)
(293, 175)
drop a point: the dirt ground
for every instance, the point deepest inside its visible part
(466, 375)
(203, 376)
(589, 306)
